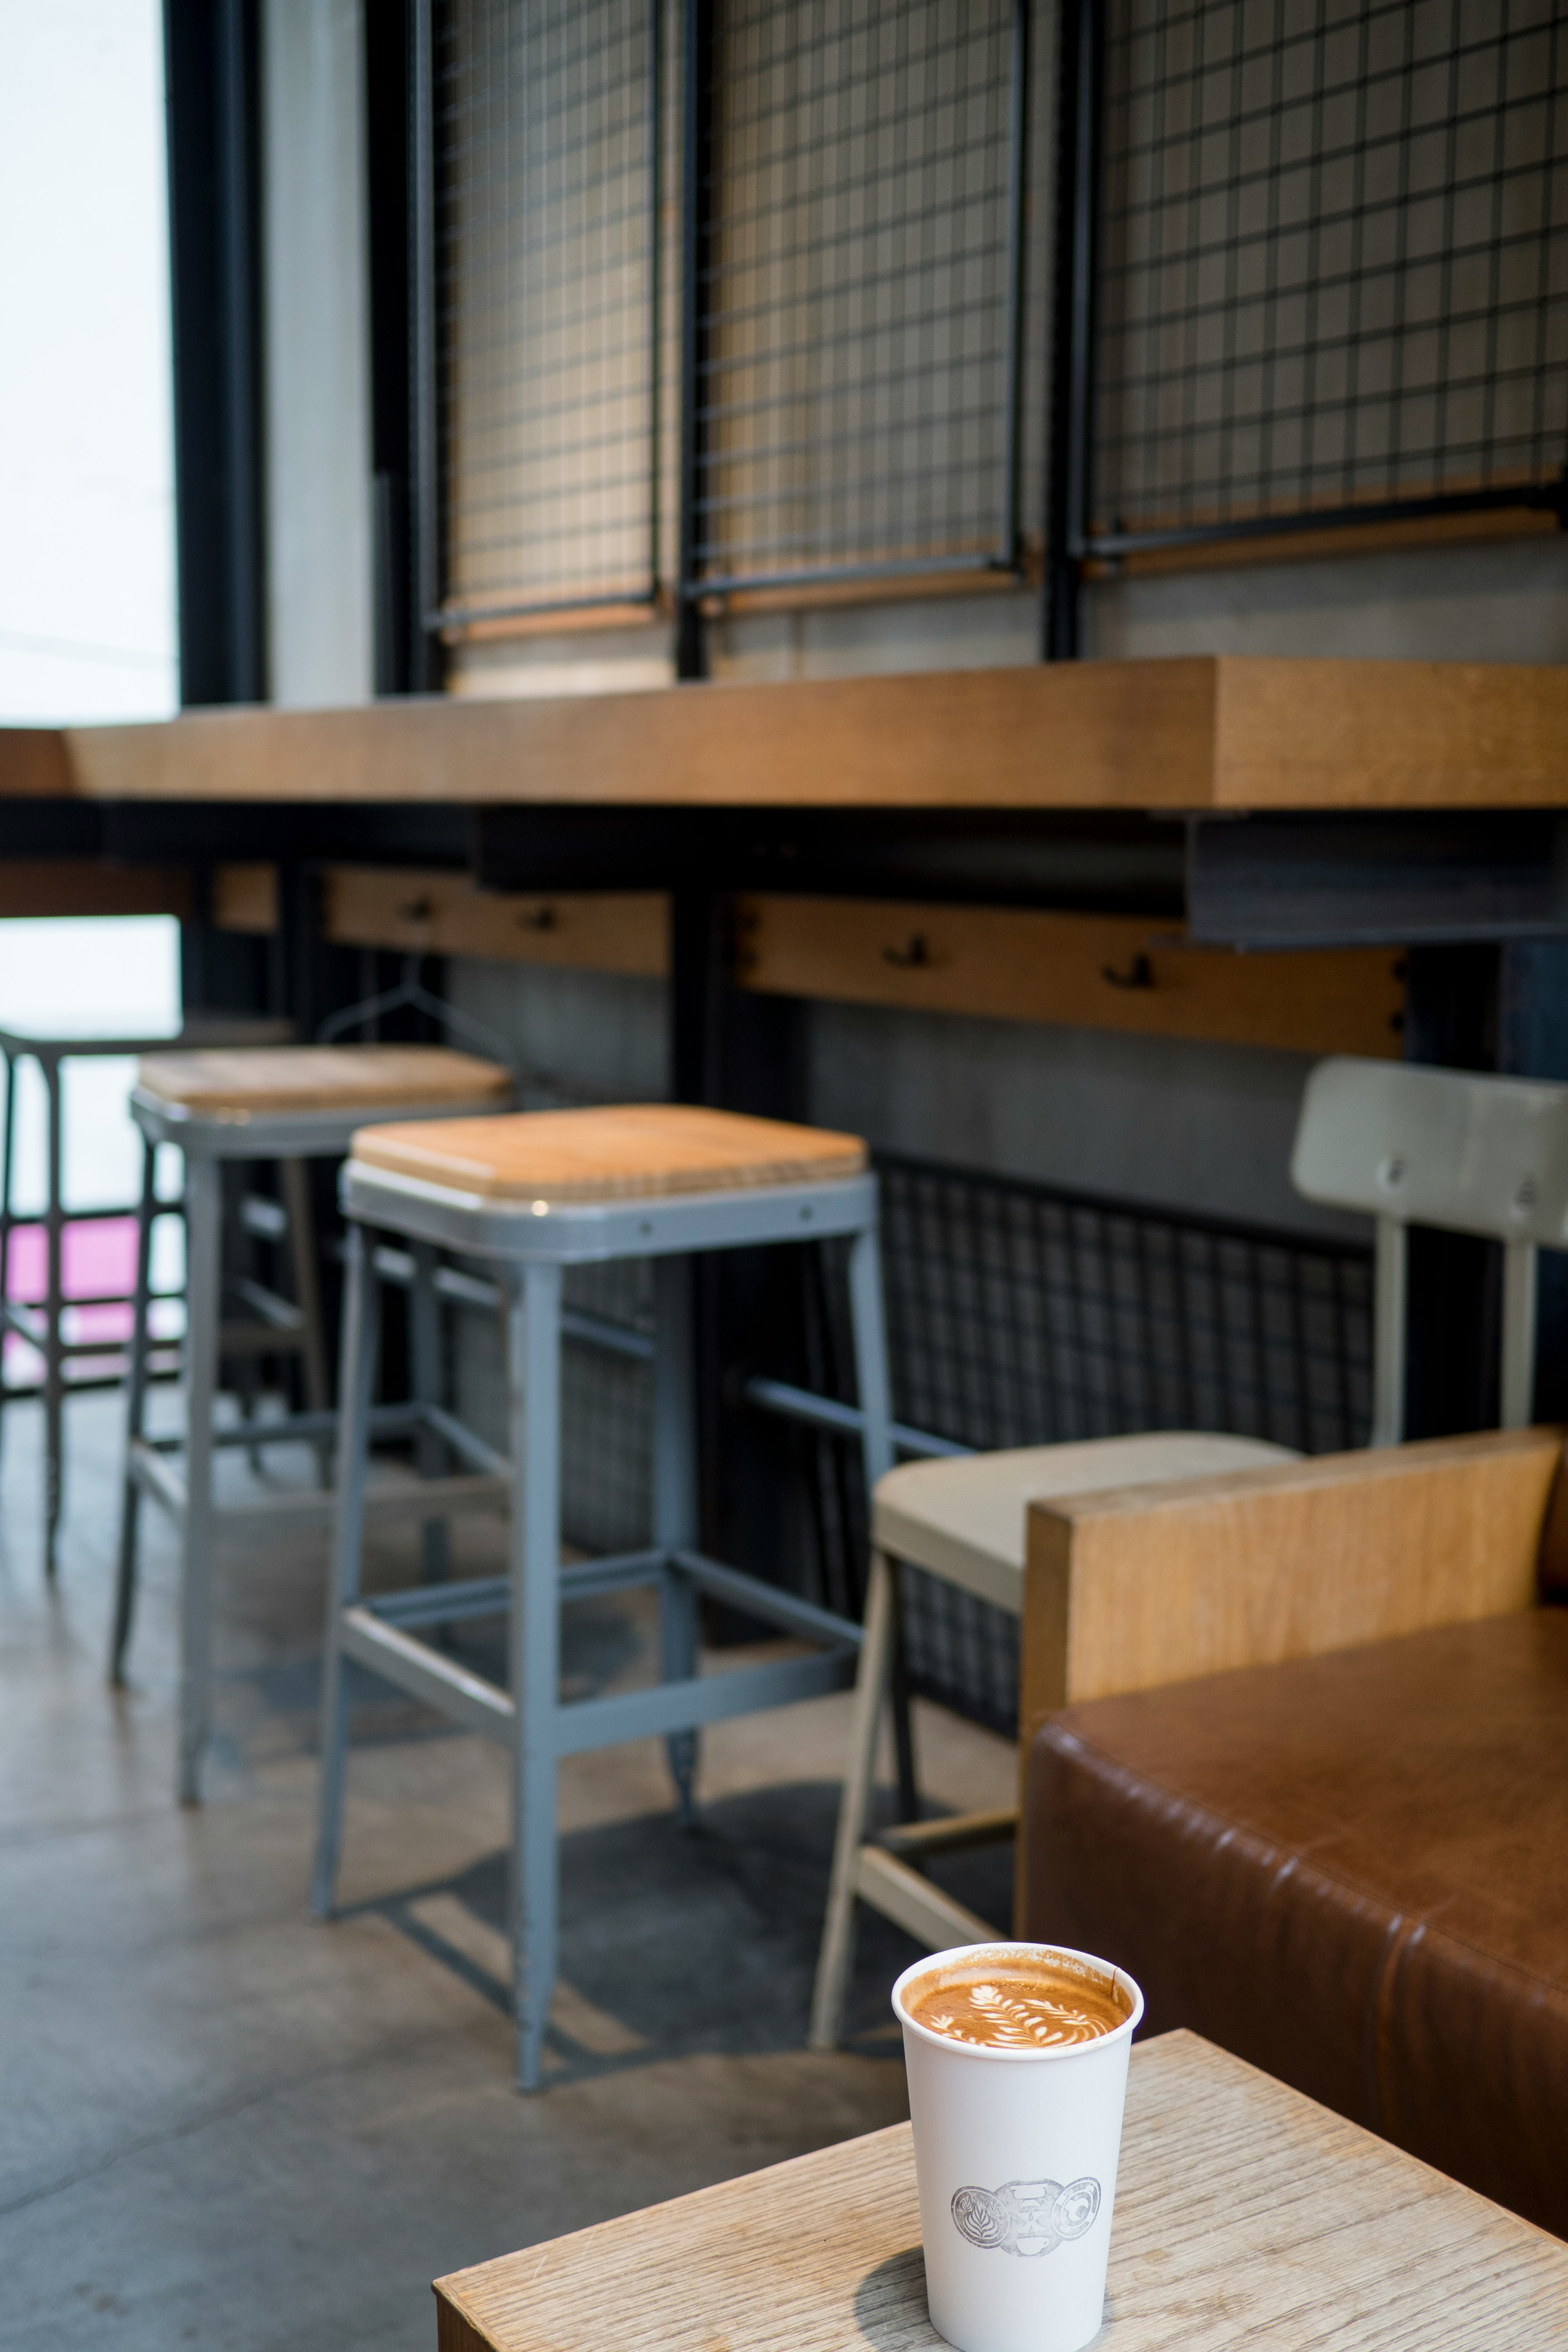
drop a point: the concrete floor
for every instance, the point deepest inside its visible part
(223, 2123)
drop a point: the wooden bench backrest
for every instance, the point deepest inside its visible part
(1136, 1586)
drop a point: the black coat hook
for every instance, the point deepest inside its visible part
(1140, 973)
(909, 958)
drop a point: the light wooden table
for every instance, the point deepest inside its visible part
(1245, 2216)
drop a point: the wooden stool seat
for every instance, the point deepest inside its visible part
(319, 1077)
(628, 1151)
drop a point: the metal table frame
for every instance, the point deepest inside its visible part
(177, 1473)
(530, 1246)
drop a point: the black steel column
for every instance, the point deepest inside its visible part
(212, 77)
(696, 260)
(426, 658)
(389, 163)
(1069, 455)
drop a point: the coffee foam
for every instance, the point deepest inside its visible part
(1018, 2000)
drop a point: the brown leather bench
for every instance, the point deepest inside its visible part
(1349, 1863)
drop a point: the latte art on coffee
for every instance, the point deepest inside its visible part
(1037, 2011)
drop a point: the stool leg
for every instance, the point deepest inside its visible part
(204, 1214)
(874, 1388)
(361, 1330)
(296, 1177)
(674, 1524)
(135, 1419)
(425, 1348)
(855, 1806)
(533, 1356)
(8, 1161)
(54, 1316)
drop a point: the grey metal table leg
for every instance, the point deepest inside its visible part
(424, 1351)
(675, 1515)
(54, 1315)
(533, 1636)
(135, 1418)
(361, 1303)
(204, 1213)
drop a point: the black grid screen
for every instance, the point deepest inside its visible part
(1333, 262)
(856, 394)
(546, 175)
(1022, 1315)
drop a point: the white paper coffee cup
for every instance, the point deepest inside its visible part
(1016, 2155)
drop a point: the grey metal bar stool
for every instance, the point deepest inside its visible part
(290, 1104)
(42, 1326)
(532, 1194)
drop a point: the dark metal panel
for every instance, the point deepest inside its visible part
(1069, 455)
(212, 80)
(1120, 863)
(1343, 881)
(389, 161)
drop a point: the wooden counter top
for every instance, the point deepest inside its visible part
(1202, 733)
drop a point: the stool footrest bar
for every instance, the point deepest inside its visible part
(585, 1580)
(767, 1600)
(704, 1699)
(952, 1835)
(425, 1673)
(442, 1604)
(157, 1478)
(913, 1902)
(464, 1442)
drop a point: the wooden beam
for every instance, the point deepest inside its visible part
(1089, 971)
(1383, 735)
(1195, 733)
(85, 885)
(1123, 736)
(447, 914)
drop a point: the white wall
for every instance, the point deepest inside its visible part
(86, 509)
(319, 604)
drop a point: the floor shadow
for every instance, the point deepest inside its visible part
(706, 1939)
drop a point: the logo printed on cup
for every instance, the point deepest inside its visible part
(1026, 2217)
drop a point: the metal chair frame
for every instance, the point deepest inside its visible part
(1411, 1146)
(530, 1246)
(42, 1326)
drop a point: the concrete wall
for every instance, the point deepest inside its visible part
(318, 531)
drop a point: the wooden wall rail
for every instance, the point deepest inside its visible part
(443, 913)
(1092, 972)
(1196, 733)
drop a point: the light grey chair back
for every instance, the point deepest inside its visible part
(1475, 1155)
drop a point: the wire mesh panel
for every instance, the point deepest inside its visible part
(547, 172)
(1019, 1314)
(1332, 264)
(856, 399)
